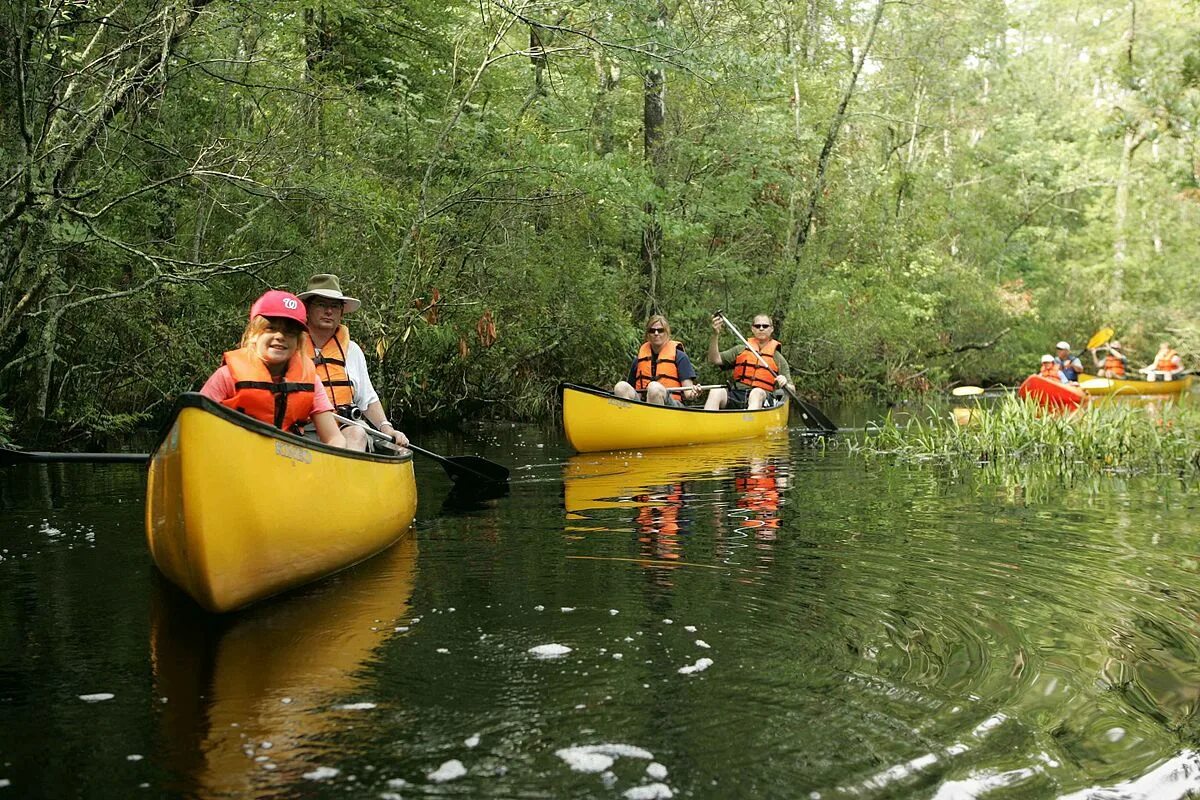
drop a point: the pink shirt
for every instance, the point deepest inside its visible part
(220, 386)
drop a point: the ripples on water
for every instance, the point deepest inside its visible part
(765, 619)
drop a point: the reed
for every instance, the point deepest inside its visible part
(1107, 437)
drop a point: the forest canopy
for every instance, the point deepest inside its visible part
(920, 192)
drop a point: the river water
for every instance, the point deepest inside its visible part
(765, 619)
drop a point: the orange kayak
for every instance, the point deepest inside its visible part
(1053, 394)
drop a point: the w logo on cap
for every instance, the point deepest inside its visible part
(290, 303)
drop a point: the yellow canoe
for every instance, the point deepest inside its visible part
(595, 420)
(237, 510)
(1106, 386)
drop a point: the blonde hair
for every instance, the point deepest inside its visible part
(658, 320)
(259, 324)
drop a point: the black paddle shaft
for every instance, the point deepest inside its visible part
(811, 415)
(460, 469)
(11, 457)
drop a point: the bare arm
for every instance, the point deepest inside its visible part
(375, 415)
(328, 430)
(714, 342)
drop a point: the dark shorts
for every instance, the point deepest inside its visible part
(739, 398)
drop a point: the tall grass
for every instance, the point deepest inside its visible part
(1107, 437)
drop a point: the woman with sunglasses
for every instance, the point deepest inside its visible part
(751, 380)
(659, 365)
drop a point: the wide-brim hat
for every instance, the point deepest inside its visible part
(1046, 359)
(327, 285)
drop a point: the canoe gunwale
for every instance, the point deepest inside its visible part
(248, 423)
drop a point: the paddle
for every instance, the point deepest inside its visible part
(701, 388)
(10, 457)
(966, 391)
(811, 415)
(458, 468)
(1099, 337)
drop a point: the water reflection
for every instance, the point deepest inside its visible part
(738, 485)
(254, 702)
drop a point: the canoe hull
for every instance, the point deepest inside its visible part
(1051, 393)
(596, 421)
(237, 511)
(1126, 387)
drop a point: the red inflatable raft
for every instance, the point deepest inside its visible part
(1050, 393)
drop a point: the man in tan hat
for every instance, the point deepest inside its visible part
(340, 362)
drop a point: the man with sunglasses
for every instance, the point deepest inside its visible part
(660, 365)
(340, 361)
(752, 383)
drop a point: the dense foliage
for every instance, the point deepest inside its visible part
(920, 191)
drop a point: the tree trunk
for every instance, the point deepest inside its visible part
(653, 117)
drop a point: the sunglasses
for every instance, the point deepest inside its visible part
(656, 330)
(761, 326)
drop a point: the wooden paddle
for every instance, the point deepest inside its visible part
(10, 457)
(811, 415)
(458, 468)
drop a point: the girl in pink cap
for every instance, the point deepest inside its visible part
(269, 378)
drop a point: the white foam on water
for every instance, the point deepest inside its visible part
(651, 791)
(134, 757)
(390, 796)
(567, 609)
(549, 650)
(401, 628)
(98, 697)
(704, 644)
(613, 612)
(668, 622)
(618, 656)
(656, 770)
(700, 665)
(690, 628)
(1174, 779)
(321, 774)
(397, 783)
(982, 784)
(580, 759)
(443, 650)
(449, 771)
(355, 707)
(5, 782)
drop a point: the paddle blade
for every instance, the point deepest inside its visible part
(474, 468)
(1100, 337)
(1096, 383)
(966, 391)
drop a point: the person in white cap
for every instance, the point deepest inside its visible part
(340, 361)
(1050, 369)
(1113, 365)
(1069, 364)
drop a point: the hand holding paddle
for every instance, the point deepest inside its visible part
(811, 415)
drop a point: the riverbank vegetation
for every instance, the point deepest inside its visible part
(1109, 437)
(919, 191)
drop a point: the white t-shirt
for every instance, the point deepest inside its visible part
(356, 371)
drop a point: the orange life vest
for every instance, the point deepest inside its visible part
(1050, 370)
(286, 404)
(331, 366)
(749, 371)
(1166, 362)
(661, 368)
(1115, 367)
(758, 491)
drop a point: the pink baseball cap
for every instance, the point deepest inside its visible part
(281, 305)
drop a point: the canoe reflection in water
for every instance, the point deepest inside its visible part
(670, 489)
(253, 701)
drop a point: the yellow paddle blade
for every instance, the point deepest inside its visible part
(965, 391)
(1099, 337)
